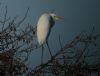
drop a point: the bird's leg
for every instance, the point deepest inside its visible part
(42, 55)
(49, 48)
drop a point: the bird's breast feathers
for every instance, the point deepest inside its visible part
(43, 28)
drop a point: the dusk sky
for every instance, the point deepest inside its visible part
(79, 15)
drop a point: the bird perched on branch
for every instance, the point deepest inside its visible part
(44, 26)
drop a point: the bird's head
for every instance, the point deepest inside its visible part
(55, 17)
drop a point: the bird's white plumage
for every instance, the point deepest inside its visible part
(43, 26)
(45, 22)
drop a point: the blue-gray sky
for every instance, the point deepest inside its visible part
(79, 15)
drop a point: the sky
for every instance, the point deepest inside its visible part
(79, 15)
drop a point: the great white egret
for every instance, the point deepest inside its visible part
(44, 25)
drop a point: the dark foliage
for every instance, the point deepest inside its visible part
(70, 60)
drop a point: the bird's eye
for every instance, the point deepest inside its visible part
(55, 17)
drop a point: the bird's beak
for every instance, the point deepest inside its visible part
(59, 18)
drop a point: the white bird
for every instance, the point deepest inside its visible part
(44, 25)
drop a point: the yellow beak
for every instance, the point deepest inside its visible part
(59, 18)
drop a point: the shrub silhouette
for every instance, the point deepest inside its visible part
(70, 60)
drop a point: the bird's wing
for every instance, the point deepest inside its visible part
(44, 26)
